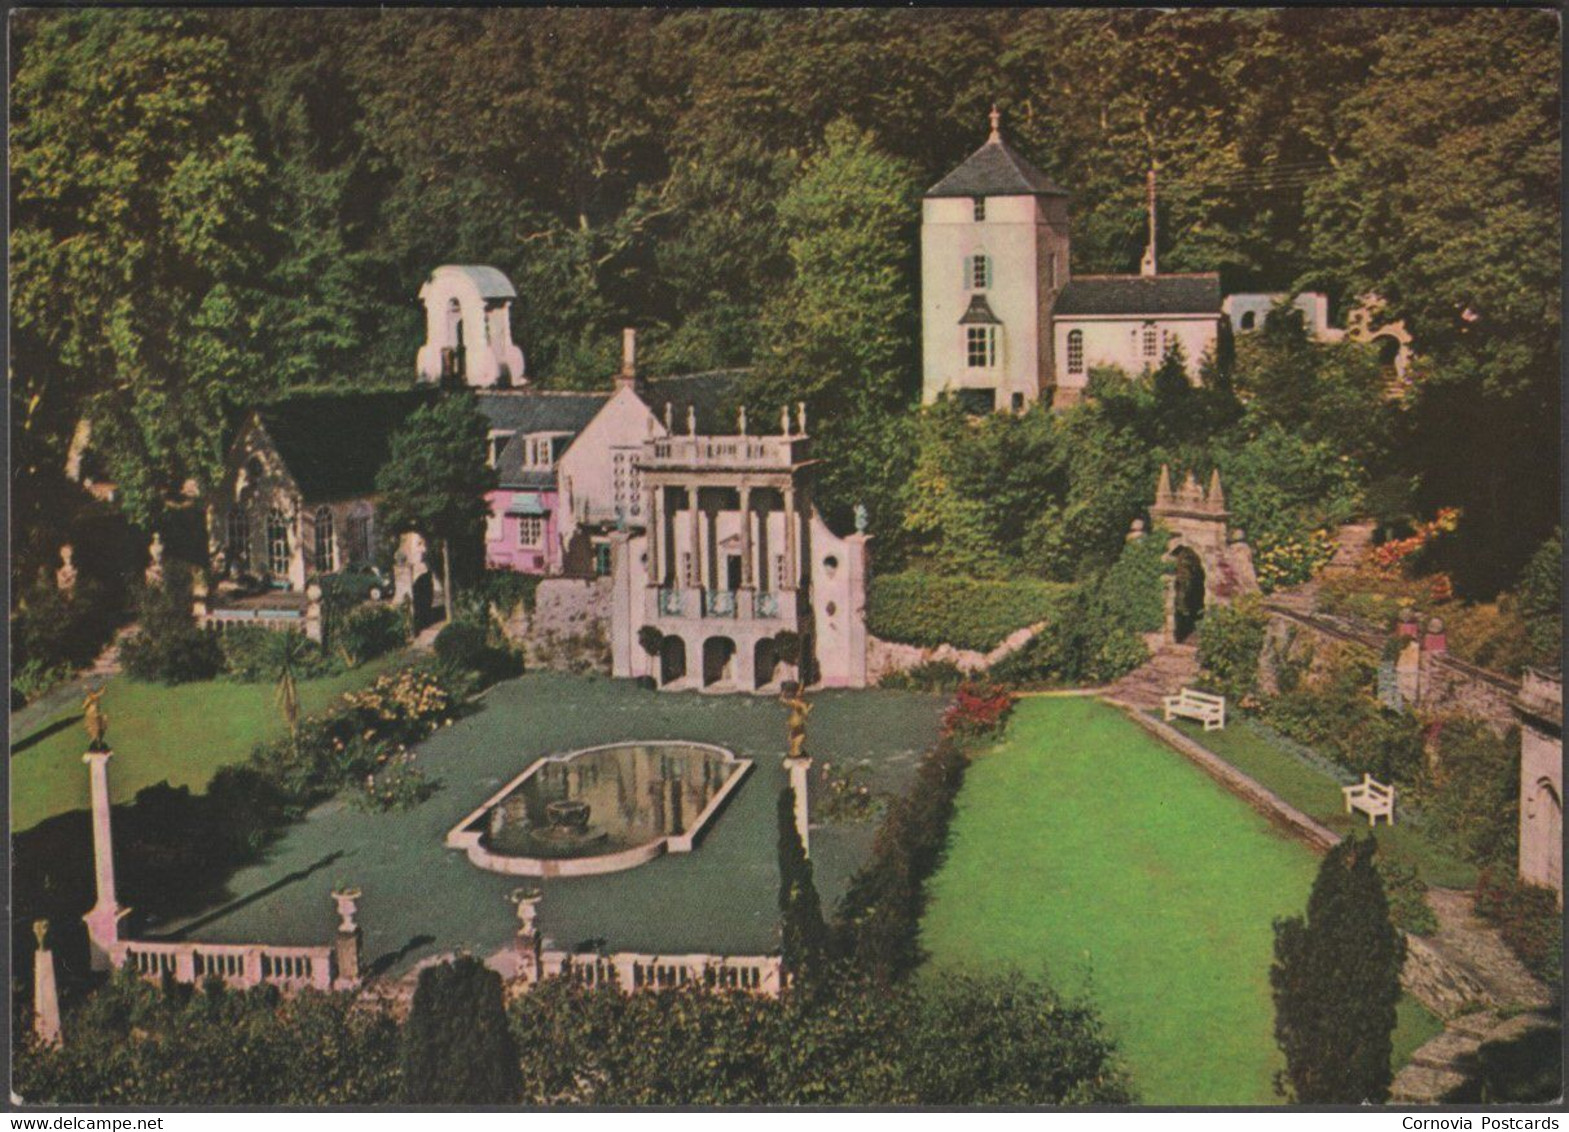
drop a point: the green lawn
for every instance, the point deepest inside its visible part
(1085, 850)
(181, 733)
(1317, 795)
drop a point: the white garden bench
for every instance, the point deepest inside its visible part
(1208, 709)
(1371, 797)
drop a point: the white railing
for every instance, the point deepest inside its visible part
(692, 604)
(634, 971)
(769, 451)
(237, 965)
(280, 619)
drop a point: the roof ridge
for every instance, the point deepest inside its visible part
(1140, 275)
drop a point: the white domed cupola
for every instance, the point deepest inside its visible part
(468, 328)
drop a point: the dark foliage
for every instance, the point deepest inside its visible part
(1528, 918)
(877, 923)
(369, 631)
(170, 647)
(458, 1048)
(1335, 980)
(804, 935)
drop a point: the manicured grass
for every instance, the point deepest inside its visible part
(180, 734)
(1085, 850)
(1415, 1026)
(1317, 795)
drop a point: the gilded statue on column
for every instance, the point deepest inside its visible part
(96, 722)
(792, 698)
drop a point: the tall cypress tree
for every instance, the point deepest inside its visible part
(1335, 979)
(457, 1046)
(805, 935)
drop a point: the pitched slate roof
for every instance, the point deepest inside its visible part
(539, 410)
(995, 170)
(979, 312)
(334, 443)
(1140, 295)
(512, 475)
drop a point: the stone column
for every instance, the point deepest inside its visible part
(792, 569)
(530, 943)
(46, 999)
(857, 566)
(656, 535)
(798, 769)
(696, 537)
(103, 920)
(747, 581)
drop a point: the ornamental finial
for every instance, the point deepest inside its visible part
(996, 117)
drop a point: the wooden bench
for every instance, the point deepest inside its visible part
(1207, 709)
(1371, 797)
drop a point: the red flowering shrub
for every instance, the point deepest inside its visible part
(1391, 557)
(978, 711)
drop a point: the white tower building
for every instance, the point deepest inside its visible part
(994, 256)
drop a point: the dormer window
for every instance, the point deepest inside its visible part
(541, 452)
(980, 208)
(980, 272)
(980, 346)
(498, 441)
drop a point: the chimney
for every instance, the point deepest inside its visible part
(1147, 267)
(627, 378)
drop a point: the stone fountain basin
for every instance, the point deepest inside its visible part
(589, 849)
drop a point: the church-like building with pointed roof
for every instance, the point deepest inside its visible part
(1004, 322)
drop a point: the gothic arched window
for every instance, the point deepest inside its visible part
(239, 540)
(1075, 351)
(326, 542)
(277, 543)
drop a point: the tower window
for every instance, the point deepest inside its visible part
(1150, 341)
(980, 208)
(980, 346)
(980, 272)
(1075, 351)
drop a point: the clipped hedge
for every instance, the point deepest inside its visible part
(917, 608)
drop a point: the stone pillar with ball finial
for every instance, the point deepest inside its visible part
(46, 998)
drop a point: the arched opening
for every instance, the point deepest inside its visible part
(423, 593)
(765, 662)
(452, 354)
(1188, 608)
(672, 660)
(1550, 812)
(718, 661)
(1249, 320)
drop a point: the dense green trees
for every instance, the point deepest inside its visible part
(212, 205)
(435, 479)
(1336, 978)
(804, 935)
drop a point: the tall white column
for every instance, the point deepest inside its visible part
(747, 580)
(103, 920)
(798, 769)
(792, 568)
(696, 537)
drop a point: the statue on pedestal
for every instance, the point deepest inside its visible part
(65, 576)
(96, 722)
(792, 698)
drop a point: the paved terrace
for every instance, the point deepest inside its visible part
(422, 899)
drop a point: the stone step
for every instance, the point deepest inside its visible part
(1478, 1024)
(1417, 1084)
(1445, 1049)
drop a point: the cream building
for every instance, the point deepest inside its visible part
(1004, 322)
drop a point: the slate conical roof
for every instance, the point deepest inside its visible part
(995, 170)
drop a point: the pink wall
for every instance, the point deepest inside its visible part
(504, 553)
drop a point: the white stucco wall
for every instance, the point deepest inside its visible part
(1119, 341)
(1020, 235)
(491, 356)
(586, 472)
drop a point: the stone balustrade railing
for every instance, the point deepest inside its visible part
(236, 965)
(633, 971)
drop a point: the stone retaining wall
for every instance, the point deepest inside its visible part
(884, 658)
